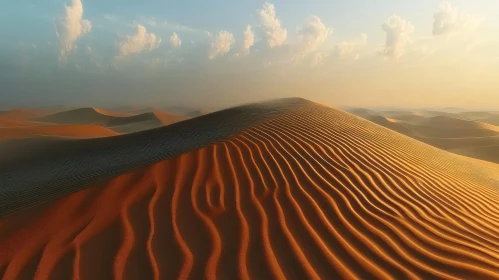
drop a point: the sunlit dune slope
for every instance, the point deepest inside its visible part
(81, 131)
(300, 191)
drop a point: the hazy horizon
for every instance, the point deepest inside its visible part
(362, 54)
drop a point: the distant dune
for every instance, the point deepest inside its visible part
(81, 116)
(25, 114)
(122, 122)
(7, 122)
(197, 113)
(493, 120)
(283, 189)
(113, 113)
(464, 133)
(478, 115)
(448, 127)
(80, 131)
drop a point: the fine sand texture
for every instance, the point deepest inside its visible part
(287, 189)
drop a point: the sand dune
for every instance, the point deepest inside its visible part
(113, 113)
(478, 115)
(493, 120)
(80, 131)
(457, 133)
(483, 152)
(121, 122)
(197, 113)
(25, 114)
(81, 116)
(361, 112)
(289, 189)
(21, 117)
(407, 117)
(448, 127)
(7, 122)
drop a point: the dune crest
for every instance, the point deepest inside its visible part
(308, 192)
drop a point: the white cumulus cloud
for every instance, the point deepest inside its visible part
(175, 40)
(221, 45)
(139, 42)
(249, 38)
(347, 49)
(313, 34)
(450, 19)
(274, 34)
(71, 27)
(398, 35)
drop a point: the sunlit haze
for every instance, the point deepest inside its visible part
(219, 53)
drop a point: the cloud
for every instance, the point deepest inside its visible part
(313, 34)
(175, 40)
(221, 45)
(141, 41)
(398, 35)
(249, 39)
(71, 27)
(450, 19)
(274, 34)
(347, 49)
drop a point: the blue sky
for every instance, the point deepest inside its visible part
(335, 52)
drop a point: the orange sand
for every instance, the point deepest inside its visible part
(8, 122)
(56, 130)
(24, 114)
(298, 196)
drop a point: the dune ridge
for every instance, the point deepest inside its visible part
(67, 166)
(307, 192)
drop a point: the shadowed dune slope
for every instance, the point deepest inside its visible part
(306, 192)
(63, 167)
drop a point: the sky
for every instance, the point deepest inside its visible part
(362, 53)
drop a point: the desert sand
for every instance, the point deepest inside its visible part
(122, 122)
(79, 131)
(473, 134)
(284, 189)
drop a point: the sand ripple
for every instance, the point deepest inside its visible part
(313, 193)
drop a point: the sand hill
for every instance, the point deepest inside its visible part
(456, 133)
(82, 116)
(79, 131)
(283, 189)
(493, 120)
(24, 114)
(121, 122)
